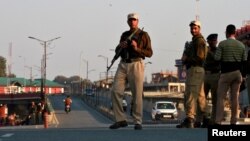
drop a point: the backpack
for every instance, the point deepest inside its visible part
(190, 50)
(203, 53)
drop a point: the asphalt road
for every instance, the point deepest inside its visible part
(104, 134)
(84, 123)
(81, 115)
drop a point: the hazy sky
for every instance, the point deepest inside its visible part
(89, 28)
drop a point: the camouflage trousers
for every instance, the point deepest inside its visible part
(194, 96)
(211, 85)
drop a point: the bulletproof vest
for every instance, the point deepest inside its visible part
(195, 57)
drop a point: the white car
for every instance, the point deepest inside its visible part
(124, 105)
(164, 109)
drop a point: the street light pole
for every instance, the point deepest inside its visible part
(145, 70)
(24, 63)
(43, 65)
(90, 71)
(30, 69)
(87, 73)
(107, 65)
(87, 69)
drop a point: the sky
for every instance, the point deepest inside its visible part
(89, 28)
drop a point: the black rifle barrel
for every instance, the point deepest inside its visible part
(118, 52)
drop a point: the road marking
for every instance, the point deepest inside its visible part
(7, 135)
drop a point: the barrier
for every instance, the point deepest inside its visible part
(46, 120)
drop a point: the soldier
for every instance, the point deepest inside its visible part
(212, 73)
(131, 69)
(193, 58)
(32, 113)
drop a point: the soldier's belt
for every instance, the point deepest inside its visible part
(131, 60)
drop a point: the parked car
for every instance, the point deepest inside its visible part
(164, 110)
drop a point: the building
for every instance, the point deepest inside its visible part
(164, 77)
(22, 86)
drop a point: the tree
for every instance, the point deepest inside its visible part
(2, 67)
(12, 75)
(74, 78)
(61, 79)
(64, 80)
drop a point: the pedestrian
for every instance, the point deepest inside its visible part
(3, 114)
(39, 112)
(247, 43)
(130, 69)
(67, 102)
(32, 113)
(212, 73)
(231, 53)
(12, 119)
(193, 58)
(245, 84)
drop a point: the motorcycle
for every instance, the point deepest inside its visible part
(67, 103)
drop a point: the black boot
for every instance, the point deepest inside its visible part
(205, 122)
(197, 124)
(187, 123)
(119, 124)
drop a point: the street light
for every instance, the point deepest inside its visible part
(89, 72)
(30, 68)
(87, 67)
(43, 65)
(24, 63)
(145, 69)
(107, 65)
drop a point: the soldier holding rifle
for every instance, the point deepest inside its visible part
(134, 46)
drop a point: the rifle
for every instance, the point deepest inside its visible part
(118, 52)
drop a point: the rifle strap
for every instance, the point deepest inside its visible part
(140, 36)
(131, 35)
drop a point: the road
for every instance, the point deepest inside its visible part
(81, 115)
(84, 123)
(104, 134)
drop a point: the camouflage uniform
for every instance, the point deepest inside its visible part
(212, 74)
(194, 96)
(195, 77)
